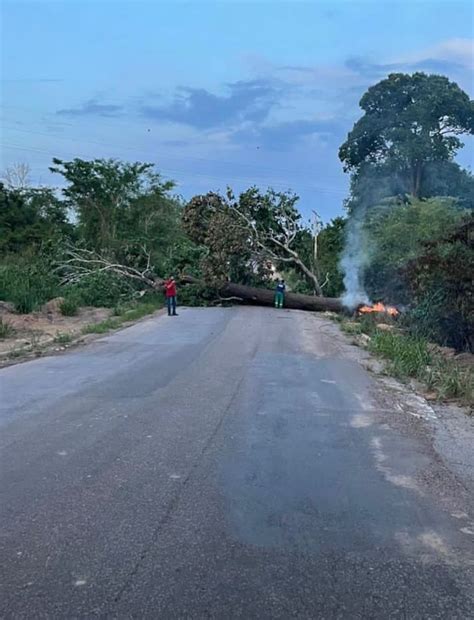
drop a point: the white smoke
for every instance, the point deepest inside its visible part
(354, 258)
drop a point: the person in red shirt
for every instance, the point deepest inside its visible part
(170, 292)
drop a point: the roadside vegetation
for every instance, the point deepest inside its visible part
(6, 329)
(127, 313)
(441, 373)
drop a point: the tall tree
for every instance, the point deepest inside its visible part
(408, 122)
(101, 191)
(31, 219)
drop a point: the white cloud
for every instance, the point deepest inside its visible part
(459, 51)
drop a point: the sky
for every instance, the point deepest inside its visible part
(215, 93)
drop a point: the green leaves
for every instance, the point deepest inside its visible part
(104, 192)
(409, 120)
(242, 235)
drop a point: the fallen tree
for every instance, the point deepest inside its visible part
(78, 263)
(265, 297)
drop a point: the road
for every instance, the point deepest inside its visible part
(227, 463)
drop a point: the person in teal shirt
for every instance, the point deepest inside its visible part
(280, 293)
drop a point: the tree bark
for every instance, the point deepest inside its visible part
(266, 297)
(417, 176)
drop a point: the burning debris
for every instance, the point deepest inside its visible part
(380, 308)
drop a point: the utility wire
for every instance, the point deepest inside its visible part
(191, 159)
(209, 177)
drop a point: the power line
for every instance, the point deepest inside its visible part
(204, 176)
(183, 158)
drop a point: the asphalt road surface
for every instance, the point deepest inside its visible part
(227, 463)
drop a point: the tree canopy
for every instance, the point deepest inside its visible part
(30, 218)
(408, 122)
(248, 234)
(103, 192)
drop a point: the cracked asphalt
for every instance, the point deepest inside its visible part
(228, 463)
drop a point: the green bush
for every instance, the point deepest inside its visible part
(63, 338)
(69, 306)
(6, 330)
(396, 233)
(102, 290)
(126, 313)
(442, 288)
(27, 285)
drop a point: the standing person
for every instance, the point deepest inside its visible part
(280, 293)
(170, 292)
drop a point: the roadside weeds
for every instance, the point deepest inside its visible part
(414, 360)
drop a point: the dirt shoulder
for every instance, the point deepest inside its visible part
(48, 332)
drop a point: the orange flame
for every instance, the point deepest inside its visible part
(379, 307)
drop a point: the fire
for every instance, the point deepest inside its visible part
(379, 307)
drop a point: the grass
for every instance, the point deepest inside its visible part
(407, 356)
(16, 353)
(143, 309)
(450, 380)
(63, 338)
(27, 284)
(103, 327)
(6, 330)
(351, 327)
(410, 357)
(126, 315)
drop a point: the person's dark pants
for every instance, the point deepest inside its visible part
(171, 301)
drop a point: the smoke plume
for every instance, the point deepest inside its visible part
(354, 259)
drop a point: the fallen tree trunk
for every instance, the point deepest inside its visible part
(265, 297)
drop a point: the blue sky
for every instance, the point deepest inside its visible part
(215, 93)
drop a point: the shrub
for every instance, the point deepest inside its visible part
(102, 290)
(6, 330)
(27, 285)
(443, 290)
(397, 234)
(69, 306)
(63, 338)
